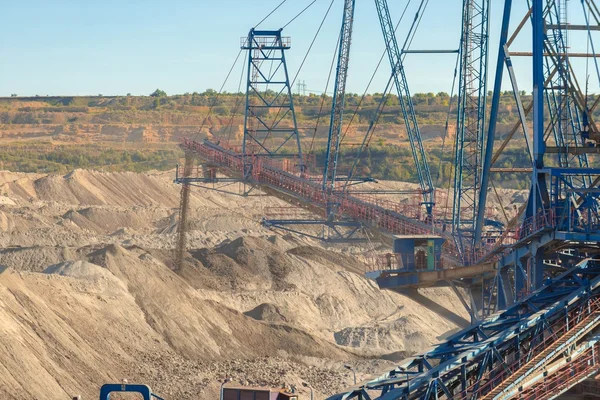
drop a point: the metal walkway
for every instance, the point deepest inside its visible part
(270, 173)
(582, 365)
(521, 340)
(551, 348)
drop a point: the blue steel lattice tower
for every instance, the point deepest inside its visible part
(470, 122)
(339, 99)
(394, 53)
(270, 127)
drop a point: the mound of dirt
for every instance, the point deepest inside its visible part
(267, 312)
(98, 188)
(35, 258)
(194, 326)
(323, 256)
(52, 349)
(262, 308)
(247, 263)
(82, 270)
(223, 222)
(105, 221)
(398, 336)
(324, 298)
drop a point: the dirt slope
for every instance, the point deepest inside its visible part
(87, 294)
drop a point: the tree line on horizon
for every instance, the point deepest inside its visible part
(431, 108)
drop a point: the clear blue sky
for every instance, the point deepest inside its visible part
(80, 47)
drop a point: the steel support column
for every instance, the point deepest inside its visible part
(339, 98)
(491, 134)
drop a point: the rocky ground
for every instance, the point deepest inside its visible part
(88, 294)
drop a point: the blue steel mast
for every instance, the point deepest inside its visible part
(406, 104)
(565, 116)
(562, 209)
(339, 98)
(491, 133)
(470, 123)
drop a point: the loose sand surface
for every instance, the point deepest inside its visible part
(88, 294)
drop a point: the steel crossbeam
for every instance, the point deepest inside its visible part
(464, 365)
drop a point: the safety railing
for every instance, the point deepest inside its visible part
(288, 212)
(402, 219)
(566, 377)
(261, 42)
(530, 226)
(557, 329)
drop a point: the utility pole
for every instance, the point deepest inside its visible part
(301, 88)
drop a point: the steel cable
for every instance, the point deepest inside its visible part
(217, 95)
(306, 54)
(299, 14)
(373, 76)
(269, 14)
(324, 95)
(238, 102)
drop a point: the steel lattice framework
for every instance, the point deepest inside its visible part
(406, 104)
(518, 342)
(270, 127)
(534, 270)
(563, 201)
(566, 107)
(470, 123)
(521, 350)
(339, 98)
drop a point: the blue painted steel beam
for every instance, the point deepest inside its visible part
(539, 144)
(491, 133)
(463, 358)
(470, 125)
(143, 390)
(339, 98)
(406, 104)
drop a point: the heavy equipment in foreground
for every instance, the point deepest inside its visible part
(533, 332)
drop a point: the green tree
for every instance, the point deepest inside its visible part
(158, 93)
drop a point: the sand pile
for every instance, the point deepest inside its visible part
(64, 329)
(97, 188)
(90, 207)
(109, 220)
(320, 291)
(109, 306)
(82, 270)
(247, 263)
(36, 258)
